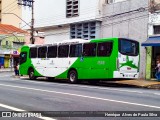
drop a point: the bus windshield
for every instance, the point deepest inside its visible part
(128, 47)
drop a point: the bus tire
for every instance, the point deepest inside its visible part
(73, 76)
(31, 74)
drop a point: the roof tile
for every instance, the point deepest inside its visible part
(10, 29)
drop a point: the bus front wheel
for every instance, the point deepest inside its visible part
(31, 74)
(73, 76)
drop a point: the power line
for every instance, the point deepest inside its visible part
(9, 5)
(29, 3)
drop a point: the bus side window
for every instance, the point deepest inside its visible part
(52, 52)
(104, 49)
(63, 51)
(75, 50)
(89, 49)
(42, 52)
(33, 52)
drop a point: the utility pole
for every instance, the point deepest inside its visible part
(29, 3)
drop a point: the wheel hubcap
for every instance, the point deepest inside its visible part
(72, 77)
(31, 74)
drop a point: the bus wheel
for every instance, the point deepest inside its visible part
(31, 74)
(73, 76)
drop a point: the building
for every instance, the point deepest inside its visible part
(10, 13)
(90, 19)
(152, 44)
(11, 39)
(70, 19)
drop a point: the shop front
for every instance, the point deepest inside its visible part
(15, 57)
(1, 60)
(152, 46)
(7, 60)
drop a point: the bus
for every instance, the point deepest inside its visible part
(78, 59)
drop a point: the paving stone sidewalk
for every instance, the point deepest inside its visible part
(141, 83)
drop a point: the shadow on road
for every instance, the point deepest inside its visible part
(106, 83)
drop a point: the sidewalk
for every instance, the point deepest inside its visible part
(6, 69)
(154, 84)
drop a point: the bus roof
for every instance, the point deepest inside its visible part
(74, 41)
(71, 41)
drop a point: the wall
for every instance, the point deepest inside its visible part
(11, 6)
(53, 12)
(38, 40)
(133, 25)
(154, 19)
(57, 34)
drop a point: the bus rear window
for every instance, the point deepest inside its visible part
(128, 47)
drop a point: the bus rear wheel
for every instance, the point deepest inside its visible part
(31, 74)
(73, 76)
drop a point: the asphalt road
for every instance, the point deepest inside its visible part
(21, 94)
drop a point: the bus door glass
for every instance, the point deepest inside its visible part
(128, 55)
(88, 61)
(104, 65)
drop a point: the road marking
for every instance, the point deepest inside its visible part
(84, 96)
(21, 110)
(10, 107)
(157, 93)
(100, 88)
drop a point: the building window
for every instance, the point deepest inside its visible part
(83, 30)
(156, 29)
(6, 43)
(72, 8)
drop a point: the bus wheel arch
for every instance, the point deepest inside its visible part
(31, 73)
(73, 75)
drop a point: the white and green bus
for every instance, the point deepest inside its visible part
(77, 59)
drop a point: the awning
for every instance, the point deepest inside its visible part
(152, 41)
